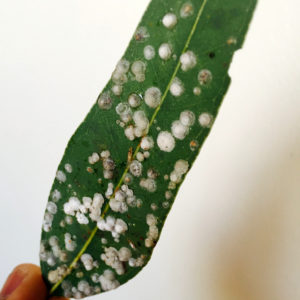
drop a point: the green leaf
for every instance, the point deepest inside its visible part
(122, 168)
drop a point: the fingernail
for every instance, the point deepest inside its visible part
(12, 282)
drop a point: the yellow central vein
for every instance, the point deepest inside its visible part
(70, 268)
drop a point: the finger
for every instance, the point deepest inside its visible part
(24, 283)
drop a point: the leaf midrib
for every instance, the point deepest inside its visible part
(106, 208)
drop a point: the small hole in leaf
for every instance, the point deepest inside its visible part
(212, 54)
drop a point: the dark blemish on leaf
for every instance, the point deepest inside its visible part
(212, 54)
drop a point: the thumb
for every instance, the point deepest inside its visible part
(25, 283)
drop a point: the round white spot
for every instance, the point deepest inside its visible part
(141, 34)
(175, 177)
(186, 10)
(52, 207)
(177, 88)
(105, 101)
(147, 143)
(136, 168)
(188, 60)
(152, 97)
(138, 67)
(197, 91)
(148, 184)
(122, 108)
(140, 156)
(181, 166)
(165, 141)
(61, 176)
(149, 52)
(129, 132)
(204, 77)
(68, 168)
(165, 51)
(123, 66)
(140, 120)
(169, 20)
(205, 120)
(117, 89)
(179, 130)
(187, 118)
(134, 100)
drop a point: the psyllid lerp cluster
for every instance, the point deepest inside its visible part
(122, 168)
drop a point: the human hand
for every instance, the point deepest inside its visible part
(26, 283)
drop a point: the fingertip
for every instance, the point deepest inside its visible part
(24, 283)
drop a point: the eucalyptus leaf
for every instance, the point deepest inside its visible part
(123, 166)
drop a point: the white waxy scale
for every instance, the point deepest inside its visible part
(94, 158)
(114, 258)
(188, 60)
(136, 168)
(108, 281)
(138, 68)
(105, 154)
(187, 118)
(105, 101)
(153, 206)
(87, 261)
(75, 208)
(68, 168)
(197, 91)
(179, 130)
(168, 195)
(146, 154)
(129, 132)
(140, 156)
(147, 143)
(169, 20)
(165, 141)
(180, 168)
(165, 204)
(153, 97)
(205, 120)
(152, 234)
(55, 275)
(176, 87)
(151, 173)
(140, 128)
(124, 111)
(186, 10)
(51, 207)
(205, 77)
(70, 244)
(134, 100)
(165, 51)
(61, 176)
(141, 34)
(115, 226)
(119, 76)
(149, 52)
(148, 184)
(56, 195)
(117, 89)
(136, 262)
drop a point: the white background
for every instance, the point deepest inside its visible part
(234, 231)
